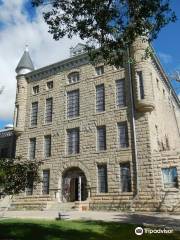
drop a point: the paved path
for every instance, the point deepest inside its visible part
(137, 218)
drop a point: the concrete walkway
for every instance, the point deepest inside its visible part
(136, 218)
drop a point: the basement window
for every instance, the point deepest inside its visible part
(170, 178)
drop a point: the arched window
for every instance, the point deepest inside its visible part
(73, 77)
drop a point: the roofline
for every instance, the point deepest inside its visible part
(59, 65)
(160, 67)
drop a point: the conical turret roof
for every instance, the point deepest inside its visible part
(25, 62)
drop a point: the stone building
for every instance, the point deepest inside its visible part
(109, 137)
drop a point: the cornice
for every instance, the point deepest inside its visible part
(58, 67)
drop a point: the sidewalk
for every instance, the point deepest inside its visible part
(136, 218)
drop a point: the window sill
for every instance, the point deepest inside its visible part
(71, 84)
(121, 108)
(102, 194)
(126, 193)
(72, 155)
(49, 90)
(170, 189)
(73, 118)
(98, 76)
(47, 124)
(99, 113)
(123, 149)
(47, 158)
(102, 151)
(119, 194)
(31, 127)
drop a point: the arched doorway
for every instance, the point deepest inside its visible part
(74, 185)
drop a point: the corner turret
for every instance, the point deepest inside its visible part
(25, 64)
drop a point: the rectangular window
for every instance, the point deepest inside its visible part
(45, 187)
(73, 77)
(49, 85)
(102, 178)
(47, 146)
(120, 93)
(141, 84)
(99, 70)
(29, 186)
(73, 141)
(36, 89)
(73, 104)
(49, 110)
(101, 138)
(170, 177)
(100, 98)
(34, 113)
(125, 177)
(123, 135)
(32, 148)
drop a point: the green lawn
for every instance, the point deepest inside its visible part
(73, 230)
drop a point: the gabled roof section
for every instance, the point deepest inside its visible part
(25, 62)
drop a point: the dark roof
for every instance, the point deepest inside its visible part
(25, 62)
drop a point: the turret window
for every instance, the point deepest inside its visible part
(16, 115)
(140, 84)
(34, 113)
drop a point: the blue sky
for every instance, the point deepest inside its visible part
(21, 25)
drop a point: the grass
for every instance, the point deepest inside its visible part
(73, 230)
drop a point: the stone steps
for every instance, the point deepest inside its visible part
(60, 206)
(34, 202)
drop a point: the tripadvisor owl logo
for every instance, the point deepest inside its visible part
(139, 231)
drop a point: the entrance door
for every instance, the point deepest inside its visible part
(74, 185)
(74, 189)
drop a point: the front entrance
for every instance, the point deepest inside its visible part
(74, 185)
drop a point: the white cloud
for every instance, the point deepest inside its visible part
(166, 58)
(19, 32)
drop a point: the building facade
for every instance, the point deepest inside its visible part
(107, 136)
